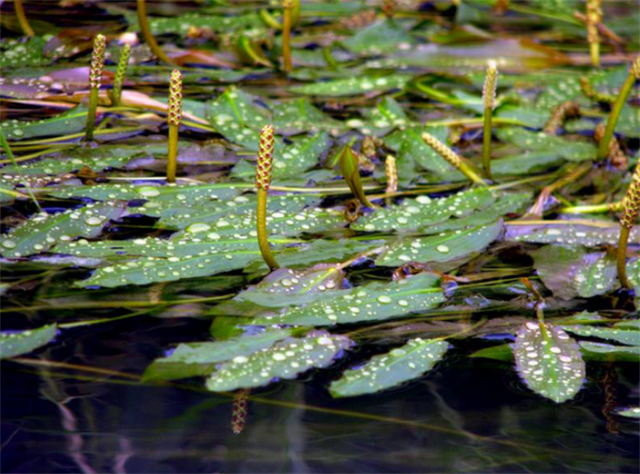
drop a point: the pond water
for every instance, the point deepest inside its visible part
(466, 417)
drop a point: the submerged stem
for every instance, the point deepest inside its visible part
(148, 36)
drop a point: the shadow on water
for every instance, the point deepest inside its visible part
(89, 419)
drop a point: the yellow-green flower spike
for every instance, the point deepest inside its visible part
(97, 61)
(630, 212)
(452, 158)
(594, 17)
(174, 116)
(121, 72)
(592, 93)
(263, 181)
(95, 78)
(489, 99)
(614, 115)
(265, 157)
(559, 116)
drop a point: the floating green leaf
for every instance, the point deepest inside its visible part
(372, 302)
(353, 86)
(200, 358)
(588, 233)
(630, 412)
(22, 342)
(393, 368)
(441, 248)
(571, 272)
(549, 361)
(551, 144)
(422, 212)
(71, 121)
(285, 360)
(41, 232)
(629, 336)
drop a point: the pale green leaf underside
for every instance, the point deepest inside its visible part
(549, 361)
(23, 342)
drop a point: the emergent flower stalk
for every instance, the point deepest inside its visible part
(614, 115)
(287, 6)
(121, 73)
(22, 18)
(630, 211)
(95, 77)
(263, 181)
(173, 119)
(488, 97)
(148, 36)
(452, 158)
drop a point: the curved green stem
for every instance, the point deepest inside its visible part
(621, 100)
(486, 142)
(91, 115)
(148, 37)
(286, 36)
(263, 238)
(22, 18)
(172, 159)
(622, 256)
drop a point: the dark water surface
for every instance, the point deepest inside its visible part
(466, 416)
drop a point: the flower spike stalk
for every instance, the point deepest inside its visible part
(452, 158)
(630, 210)
(391, 171)
(95, 77)
(148, 37)
(287, 6)
(594, 17)
(489, 98)
(22, 18)
(173, 119)
(121, 72)
(614, 115)
(263, 181)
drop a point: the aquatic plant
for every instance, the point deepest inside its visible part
(22, 18)
(594, 17)
(287, 12)
(614, 115)
(263, 182)
(95, 79)
(488, 99)
(452, 158)
(630, 212)
(174, 117)
(148, 36)
(121, 72)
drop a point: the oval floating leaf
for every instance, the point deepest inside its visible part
(41, 232)
(549, 361)
(199, 358)
(393, 368)
(441, 248)
(285, 360)
(353, 86)
(372, 302)
(21, 342)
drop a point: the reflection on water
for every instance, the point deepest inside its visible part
(467, 416)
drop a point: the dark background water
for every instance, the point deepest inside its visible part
(61, 420)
